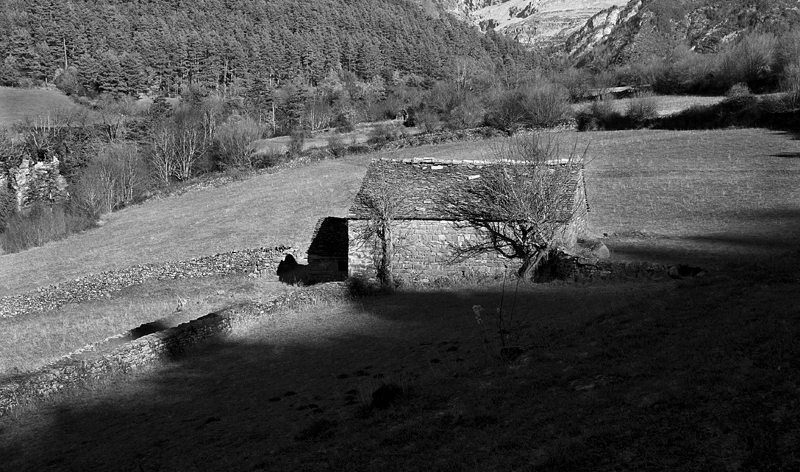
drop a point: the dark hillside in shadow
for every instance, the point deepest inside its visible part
(616, 376)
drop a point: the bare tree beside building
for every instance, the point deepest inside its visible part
(520, 206)
(383, 204)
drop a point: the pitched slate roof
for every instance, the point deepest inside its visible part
(421, 180)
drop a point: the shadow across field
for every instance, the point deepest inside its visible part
(693, 374)
(236, 402)
(789, 155)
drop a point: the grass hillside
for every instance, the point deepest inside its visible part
(17, 103)
(264, 210)
(663, 195)
(692, 374)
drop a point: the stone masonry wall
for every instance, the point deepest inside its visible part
(424, 252)
(76, 370)
(92, 287)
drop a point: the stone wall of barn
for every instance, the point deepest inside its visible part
(578, 226)
(424, 252)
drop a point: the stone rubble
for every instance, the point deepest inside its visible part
(101, 285)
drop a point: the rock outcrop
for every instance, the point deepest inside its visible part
(531, 22)
(40, 181)
(641, 30)
(599, 27)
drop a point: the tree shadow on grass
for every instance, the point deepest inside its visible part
(788, 155)
(280, 396)
(232, 403)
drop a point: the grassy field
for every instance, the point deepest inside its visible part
(265, 210)
(321, 139)
(689, 375)
(717, 192)
(666, 104)
(708, 198)
(16, 103)
(693, 375)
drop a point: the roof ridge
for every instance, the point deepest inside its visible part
(467, 162)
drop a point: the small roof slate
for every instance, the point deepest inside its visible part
(422, 180)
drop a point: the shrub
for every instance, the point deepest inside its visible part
(297, 139)
(742, 111)
(641, 110)
(428, 120)
(738, 90)
(271, 158)
(467, 115)
(749, 61)
(234, 142)
(506, 112)
(42, 224)
(8, 207)
(116, 178)
(345, 120)
(546, 104)
(787, 58)
(577, 82)
(357, 148)
(383, 133)
(92, 192)
(600, 115)
(686, 72)
(694, 117)
(540, 105)
(790, 86)
(336, 145)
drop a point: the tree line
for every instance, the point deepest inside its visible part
(126, 48)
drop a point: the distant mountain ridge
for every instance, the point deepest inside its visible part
(646, 28)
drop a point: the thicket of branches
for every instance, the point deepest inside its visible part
(519, 206)
(384, 204)
(763, 61)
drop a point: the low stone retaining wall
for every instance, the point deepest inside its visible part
(96, 286)
(76, 369)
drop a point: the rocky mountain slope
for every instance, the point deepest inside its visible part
(531, 22)
(645, 28)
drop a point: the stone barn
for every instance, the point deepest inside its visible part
(425, 237)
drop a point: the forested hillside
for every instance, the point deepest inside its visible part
(120, 47)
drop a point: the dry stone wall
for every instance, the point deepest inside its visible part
(75, 370)
(99, 285)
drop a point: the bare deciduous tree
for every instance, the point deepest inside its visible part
(384, 203)
(111, 181)
(520, 205)
(161, 156)
(190, 142)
